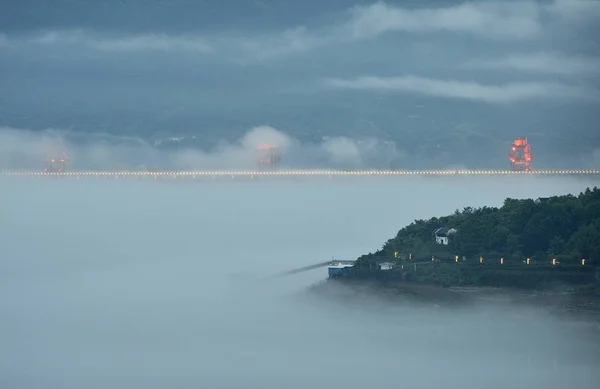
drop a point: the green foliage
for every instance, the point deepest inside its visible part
(562, 227)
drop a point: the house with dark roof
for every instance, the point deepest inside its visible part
(386, 266)
(442, 235)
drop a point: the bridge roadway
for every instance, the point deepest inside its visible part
(297, 173)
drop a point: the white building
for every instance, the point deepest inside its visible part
(442, 235)
(386, 266)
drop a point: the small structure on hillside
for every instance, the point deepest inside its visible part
(386, 266)
(339, 269)
(442, 235)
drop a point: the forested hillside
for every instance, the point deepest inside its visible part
(563, 227)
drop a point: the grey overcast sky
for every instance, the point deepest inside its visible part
(215, 69)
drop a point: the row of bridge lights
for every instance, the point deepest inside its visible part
(527, 261)
(310, 172)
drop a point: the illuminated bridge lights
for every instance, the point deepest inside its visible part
(304, 173)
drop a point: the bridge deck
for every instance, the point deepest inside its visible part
(303, 173)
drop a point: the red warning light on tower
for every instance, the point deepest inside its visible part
(520, 155)
(268, 157)
(56, 163)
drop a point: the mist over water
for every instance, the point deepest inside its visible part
(27, 150)
(124, 284)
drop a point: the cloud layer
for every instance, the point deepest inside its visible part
(506, 93)
(490, 19)
(303, 73)
(487, 19)
(113, 43)
(21, 149)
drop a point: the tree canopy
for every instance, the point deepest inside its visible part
(563, 227)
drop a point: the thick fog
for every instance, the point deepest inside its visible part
(125, 284)
(28, 150)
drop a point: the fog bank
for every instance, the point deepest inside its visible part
(161, 284)
(27, 150)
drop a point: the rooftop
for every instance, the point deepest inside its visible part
(441, 231)
(340, 265)
(444, 231)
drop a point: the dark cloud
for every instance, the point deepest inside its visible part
(108, 69)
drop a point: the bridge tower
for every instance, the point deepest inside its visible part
(269, 157)
(56, 163)
(520, 155)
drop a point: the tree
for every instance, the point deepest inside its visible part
(556, 245)
(559, 226)
(586, 241)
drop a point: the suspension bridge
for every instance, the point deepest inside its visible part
(294, 173)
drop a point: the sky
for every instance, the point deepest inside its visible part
(128, 284)
(433, 76)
